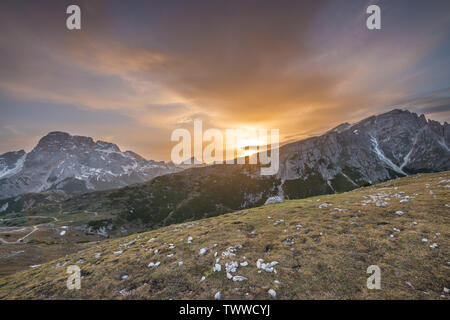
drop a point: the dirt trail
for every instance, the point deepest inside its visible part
(35, 228)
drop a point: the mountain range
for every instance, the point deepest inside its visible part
(74, 164)
(373, 150)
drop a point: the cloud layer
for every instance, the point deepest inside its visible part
(153, 66)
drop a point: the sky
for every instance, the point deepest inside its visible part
(137, 70)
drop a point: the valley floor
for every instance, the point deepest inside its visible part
(315, 248)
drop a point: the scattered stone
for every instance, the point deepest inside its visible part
(217, 268)
(381, 204)
(324, 205)
(434, 246)
(97, 255)
(218, 296)
(396, 229)
(288, 241)
(398, 212)
(124, 277)
(272, 293)
(231, 266)
(170, 255)
(276, 282)
(409, 284)
(62, 233)
(203, 251)
(180, 263)
(244, 264)
(239, 278)
(154, 265)
(189, 240)
(268, 267)
(272, 200)
(118, 252)
(128, 243)
(278, 222)
(203, 278)
(424, 240)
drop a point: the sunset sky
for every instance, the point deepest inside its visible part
(140, 69)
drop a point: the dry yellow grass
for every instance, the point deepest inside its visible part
(328, 258)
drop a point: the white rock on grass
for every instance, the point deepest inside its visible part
(272, 200)
(276, 282)
(244, 264)
(170, 255)
(62, 233)
(203, 251)
(203, 278)
(190, 239)
(398, 212)
(180, 263)
(239, 278)
(424, 240)
(231, 266)
(124, 277)
(268, 267)
(218, 296)
(217, 268)
(154, 265)
(381, 204)
(434, 246)
(97, 255)
(324, 205)
(272, 293)
(118, 252)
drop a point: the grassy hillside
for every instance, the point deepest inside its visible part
(322, 251)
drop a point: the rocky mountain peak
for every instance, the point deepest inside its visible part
(74, 164)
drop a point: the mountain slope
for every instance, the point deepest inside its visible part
(373, 150)
(74, 164)
(319, 252)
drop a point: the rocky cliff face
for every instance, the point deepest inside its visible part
(378, 148)
(74, 164)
